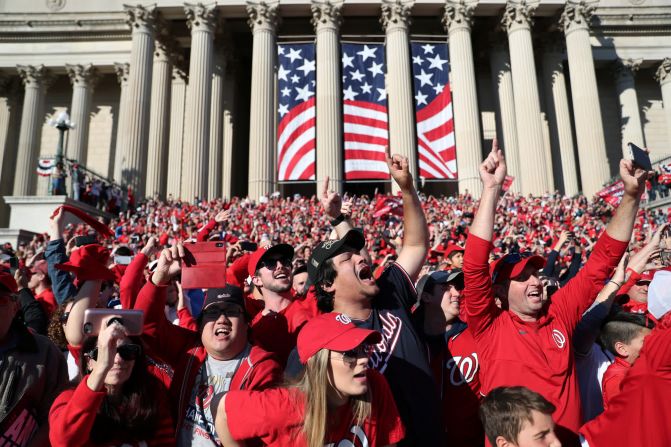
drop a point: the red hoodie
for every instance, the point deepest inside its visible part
(536, 355)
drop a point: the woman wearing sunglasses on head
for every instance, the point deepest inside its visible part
(117, 401)
(337, 400)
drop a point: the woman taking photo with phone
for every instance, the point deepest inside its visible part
(337, 398)
(117, 401)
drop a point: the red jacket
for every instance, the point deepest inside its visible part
(611, 384)
(536, 355)
(639, 415)
(74, 412)
(132, 280)
(183, 351)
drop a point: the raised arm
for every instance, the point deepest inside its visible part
(86, 298)
(415, 230)
(621, 225)
(61, 281)
(492, 175)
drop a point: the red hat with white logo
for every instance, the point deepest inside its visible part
(333, 331)
(285, 250)
(513, 264)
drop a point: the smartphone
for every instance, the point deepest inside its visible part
(13, 265)
(132, 320)
(248, 246)
(123, 260)
(89, 239)
(640, 157)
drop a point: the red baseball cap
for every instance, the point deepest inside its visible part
(285, 250)
(7, 281)
(647, 275)
(513, 264)
(40, 267)
(451, 248)
(334, 331)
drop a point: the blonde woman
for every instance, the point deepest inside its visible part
(338, 401)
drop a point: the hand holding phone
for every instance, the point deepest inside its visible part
(640, 157)
(89, 239)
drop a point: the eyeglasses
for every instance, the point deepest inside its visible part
(270, 264)
(129, 351)
(213, 313)
(362, 351)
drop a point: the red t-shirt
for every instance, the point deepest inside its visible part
(536, 355)
(48, 302)
(612, 380)
(456, 369)
(277, 332)
(276, 417)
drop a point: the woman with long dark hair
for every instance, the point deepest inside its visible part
(117, 401)
(337, 400)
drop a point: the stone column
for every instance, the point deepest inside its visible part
(559, 116)
(217, 120)
(402, 137)
(263, 21)
(202, 20)
(517, 22)
(631, 127)
(9, 123)
(326, 19)
(132, 168)
(457, 20)
(663, 76)
(176, 143)
(36, 80)
(228, 130)
(83, 78)
(159, 120)
(594, 169)
(121, 71)
(503, 85)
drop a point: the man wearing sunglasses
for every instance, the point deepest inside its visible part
(529, 341)
(208, 363)
(276, 327)
(33, 372)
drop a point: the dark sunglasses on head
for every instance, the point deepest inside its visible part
(130, 351)
(213, 313)
(64, 317)
(270, 264)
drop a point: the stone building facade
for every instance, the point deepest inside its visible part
(178, 98)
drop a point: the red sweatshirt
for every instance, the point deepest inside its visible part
(74, 412)
(611, 383)
(132, 280)
(639, 415)
(183, 351)
(536, 355)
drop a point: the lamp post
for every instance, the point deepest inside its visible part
(63, 124)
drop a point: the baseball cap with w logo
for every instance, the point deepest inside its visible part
(328, 249)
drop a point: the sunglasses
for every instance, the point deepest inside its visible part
(213, 313)
(362, 351)
(130, 351)
(270, 264)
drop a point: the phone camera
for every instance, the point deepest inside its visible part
(88, 328)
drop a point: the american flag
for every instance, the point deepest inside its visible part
(433, 111)
(364, 111)
(296, 134)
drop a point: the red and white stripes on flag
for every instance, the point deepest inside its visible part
(364, 112)
(296, 132)
(433, 111)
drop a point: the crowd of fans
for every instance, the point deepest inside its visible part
(380, 320)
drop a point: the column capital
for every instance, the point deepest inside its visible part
(518, 14)
(577, 15)
(626, 69)
(35, 75)
(200, 17)
(663, 73)
(140, 18)
(326, 14)
(262, 15)
(179, 74)
(396, 14)
(459, 14)
(82, 75)
(121, 70)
